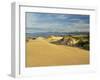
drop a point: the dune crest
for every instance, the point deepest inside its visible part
(40, 52)
(40, 38)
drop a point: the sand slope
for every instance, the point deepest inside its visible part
(42, 53)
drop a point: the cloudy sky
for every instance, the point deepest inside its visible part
(48, 22)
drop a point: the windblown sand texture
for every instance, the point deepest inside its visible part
(40, 52)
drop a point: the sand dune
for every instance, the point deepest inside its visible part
(54, 38)
(40, 52)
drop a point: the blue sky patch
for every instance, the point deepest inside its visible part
(51, 22)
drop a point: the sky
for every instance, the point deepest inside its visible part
(51, 22)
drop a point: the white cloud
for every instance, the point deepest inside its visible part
(36, 24)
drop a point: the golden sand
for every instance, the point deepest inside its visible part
(40, 52)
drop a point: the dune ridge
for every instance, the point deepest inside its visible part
(40, 52)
